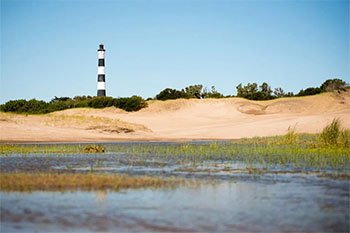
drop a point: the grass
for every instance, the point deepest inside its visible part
(334, 135)
(330, 149)
(94, 149)
(27, 182)
(102, 124)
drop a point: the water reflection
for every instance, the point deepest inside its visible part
(273, 203)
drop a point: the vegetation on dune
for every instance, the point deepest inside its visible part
(264, 92)
(34, 106)
(190, 92)
(27, 182)
(250, 91)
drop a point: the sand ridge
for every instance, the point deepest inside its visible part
(181, 119)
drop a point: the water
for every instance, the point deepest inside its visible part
(234, 200)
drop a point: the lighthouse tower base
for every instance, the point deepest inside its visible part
(101, 92)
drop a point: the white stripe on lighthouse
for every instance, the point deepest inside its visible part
(101, 86)
(101, 70)
(101, 54)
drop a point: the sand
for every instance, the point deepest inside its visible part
(177, 120)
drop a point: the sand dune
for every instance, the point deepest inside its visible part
(182, 120)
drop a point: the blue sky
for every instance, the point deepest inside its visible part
(49, 48)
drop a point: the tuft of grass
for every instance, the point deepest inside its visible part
(344, 138)
(28, 182)
(333, 135)
(94, 149)
(291, 136)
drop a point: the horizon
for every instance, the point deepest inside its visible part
(50, 48)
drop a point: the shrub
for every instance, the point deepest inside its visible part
(32, 106)
(130, 104)
(333, 84)
(193, 91)
(13, 106)
(252, 92)
(101, 102)
(310, 91)
(213, 93)
(168, 94)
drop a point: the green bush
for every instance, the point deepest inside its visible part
(253, 92)
(333, 85)
(310, 91)
(34, 106)
(101, 102)
(169, 94)
(130, 104)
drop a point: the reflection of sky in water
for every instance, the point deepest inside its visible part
(269, 203)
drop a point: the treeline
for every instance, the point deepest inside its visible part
(34, 106)
(193, 91)
(264, 92)
(251, 91)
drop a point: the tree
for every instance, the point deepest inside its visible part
(278, 92)
(194, 91)
(251, 91)
(247, 91)
(310, 91)
(333, 84)
(213, 93)
(58, 99)
(169, 93)
(266, 91)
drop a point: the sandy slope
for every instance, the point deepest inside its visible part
(181, 120)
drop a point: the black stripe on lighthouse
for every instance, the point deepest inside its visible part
(101, 62)
(101, 76)
(101, 92)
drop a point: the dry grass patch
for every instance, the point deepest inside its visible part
(101, 124)
(26, 182)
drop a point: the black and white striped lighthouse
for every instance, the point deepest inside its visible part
(101, 75)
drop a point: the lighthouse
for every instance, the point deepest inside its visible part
(101, 75)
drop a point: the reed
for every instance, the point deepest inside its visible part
(334, 135)
(28, 182)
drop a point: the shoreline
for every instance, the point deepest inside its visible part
(111, 141)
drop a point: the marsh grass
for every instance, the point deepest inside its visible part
(333, 135)
(27, 182)
(291, 136)
(330, 149)
(94, 149)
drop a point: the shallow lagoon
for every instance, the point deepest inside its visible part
(267, 203)
(226, 197)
